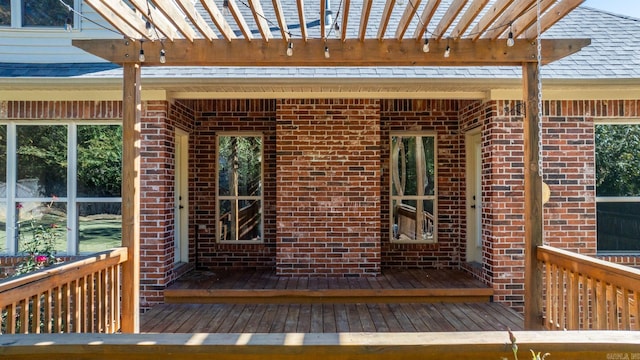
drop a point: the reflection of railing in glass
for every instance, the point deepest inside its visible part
(406, 223)
(248, 227)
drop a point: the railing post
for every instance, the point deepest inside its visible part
(131, 109)
(532, 200)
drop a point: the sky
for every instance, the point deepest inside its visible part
(623, 7)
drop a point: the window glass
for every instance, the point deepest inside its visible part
(99, 168)
(42, 161)
(5, 12)
(240, 165)
(100, 226)
(413, 174)
(46, 13)
(618, 226)
(42, 225)
(618, 187)
(3, 227)
(239, 188)
(3, 161)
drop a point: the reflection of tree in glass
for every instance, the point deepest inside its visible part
(99, 160)
(42, 155)
(45, 13)
(5, 12)
(617, 160)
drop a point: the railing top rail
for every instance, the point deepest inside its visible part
(625, 276)
(116, 255)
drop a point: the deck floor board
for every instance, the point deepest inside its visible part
(314, 318)
(378, 311)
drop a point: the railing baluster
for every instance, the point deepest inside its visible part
(573, 304)
(24, 318)
(584, 299)
(11, 319)
(626, 318)
(37, 314)
(602, 305)
(47, 311)
(549, 311)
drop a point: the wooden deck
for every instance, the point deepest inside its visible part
(261, 302)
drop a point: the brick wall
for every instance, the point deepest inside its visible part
(328, 190)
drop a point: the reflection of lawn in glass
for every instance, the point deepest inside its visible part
(99, 232)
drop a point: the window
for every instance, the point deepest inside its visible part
(239, 184)
(618, 187)
(37, 13)
(65, 178)
(413, 188)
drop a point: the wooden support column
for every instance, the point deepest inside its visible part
(532, 201)
(131, 109)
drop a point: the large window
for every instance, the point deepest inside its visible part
(413, 188)
(618, 187)
(37, 13)
(63, 179)
(239, 184)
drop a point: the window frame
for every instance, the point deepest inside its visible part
(16, 7)
(612, 199)
(394, 198)
(71, 200)
(220, 198)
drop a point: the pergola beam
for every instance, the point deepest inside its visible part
(371, 52)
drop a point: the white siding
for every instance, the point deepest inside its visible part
(52, 45)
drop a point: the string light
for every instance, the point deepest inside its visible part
(425, 46)
(163, 56)
(290, 49)
(400, 2)
(68, 25)
(326, 52)
(141, 57)
(510, 40)
(225, 7)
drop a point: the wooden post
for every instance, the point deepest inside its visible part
(532, 202)
(131, 108)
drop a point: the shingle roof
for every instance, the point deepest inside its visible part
(614, 53)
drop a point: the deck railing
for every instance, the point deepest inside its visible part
(81, 297)
(584, 293)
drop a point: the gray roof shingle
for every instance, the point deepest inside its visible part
(614, 53)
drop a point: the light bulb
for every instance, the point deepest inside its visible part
(326, 52)
(141, 56)
(68, 24)
(225, 7)
(447, 52)
(149, 28)
(400, 2)
(163, 56)
(510, 41)
(290, 49)
(425, 46)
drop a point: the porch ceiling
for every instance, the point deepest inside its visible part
(366, 33)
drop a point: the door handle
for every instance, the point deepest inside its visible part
(180, 207)
(473, 206)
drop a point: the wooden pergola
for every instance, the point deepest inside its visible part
(208, 33)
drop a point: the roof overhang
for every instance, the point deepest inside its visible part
(483, 89)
